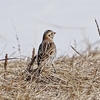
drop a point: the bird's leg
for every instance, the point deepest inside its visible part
(54, 68)
(38, 71)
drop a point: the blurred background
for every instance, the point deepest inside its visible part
(23, 22)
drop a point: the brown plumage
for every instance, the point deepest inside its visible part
(47, 51)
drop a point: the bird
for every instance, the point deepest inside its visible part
(47, 51)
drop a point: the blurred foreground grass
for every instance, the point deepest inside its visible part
(77, 78)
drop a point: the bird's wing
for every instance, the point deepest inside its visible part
(46, 50)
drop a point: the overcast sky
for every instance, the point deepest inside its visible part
(72, 20)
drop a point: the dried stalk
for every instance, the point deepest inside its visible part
(76, 51)
(33, 53)
(10, 59)
(32, 59)
(5, 64)
(97, 26)
(17, 38)
(6, 61)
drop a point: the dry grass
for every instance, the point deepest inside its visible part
(77, 78)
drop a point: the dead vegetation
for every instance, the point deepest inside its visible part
(77, 78)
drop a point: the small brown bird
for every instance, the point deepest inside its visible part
(47, 51)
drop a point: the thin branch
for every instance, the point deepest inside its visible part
(97, 26)
(10, 59)
(5, 65)
(33, 53)
(17, 38)
(75, 50)
(6, 62)
(32, 60)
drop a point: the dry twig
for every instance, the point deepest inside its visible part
(5, 65)
(33, 53)
(75, 50)
(10, 59)
(17, 38)
(97, 26)
(32, 60)
(6, 61)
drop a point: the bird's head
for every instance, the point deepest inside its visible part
(48, 35)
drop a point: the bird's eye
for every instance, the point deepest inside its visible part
(49, 35)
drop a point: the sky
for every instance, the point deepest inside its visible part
(72, 20)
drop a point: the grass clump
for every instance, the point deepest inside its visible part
(77, 78)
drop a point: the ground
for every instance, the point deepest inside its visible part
(77, 78)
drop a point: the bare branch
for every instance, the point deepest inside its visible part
(10, 59)
(32, 60)
(75, 50)
(97, 26)
(33, 53)
(5, 63)
(17, 38)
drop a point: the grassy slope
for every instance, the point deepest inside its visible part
(77, 78)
